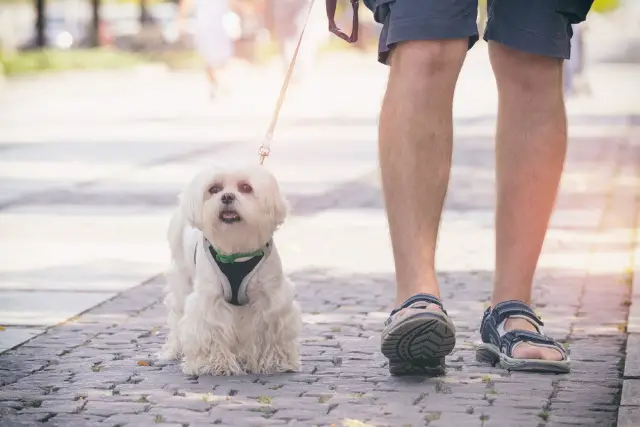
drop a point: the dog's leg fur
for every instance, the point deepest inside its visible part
(208, 336)
(273, 346)
(179, 286)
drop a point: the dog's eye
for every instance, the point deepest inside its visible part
(245, 188)
(215, 188)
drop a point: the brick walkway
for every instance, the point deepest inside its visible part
(99, 369)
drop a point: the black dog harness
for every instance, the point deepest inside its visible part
(235, 270)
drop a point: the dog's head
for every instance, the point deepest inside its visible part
(237, 210)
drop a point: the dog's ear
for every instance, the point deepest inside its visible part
(281, 209)
(192, 200)
(275, 204)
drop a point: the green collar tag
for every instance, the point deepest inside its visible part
(231, 259)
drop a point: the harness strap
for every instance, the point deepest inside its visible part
(234, 276)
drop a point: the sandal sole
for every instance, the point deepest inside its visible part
(411, 369)
(489, 353)
(418, 344)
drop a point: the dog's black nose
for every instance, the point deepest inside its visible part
(228, 198)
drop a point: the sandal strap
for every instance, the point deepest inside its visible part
(512, 308)
(493, 317)
(427, 298)
(512, 338)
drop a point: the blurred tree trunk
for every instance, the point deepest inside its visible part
(145, 16)
(95, 23)
(41, 24)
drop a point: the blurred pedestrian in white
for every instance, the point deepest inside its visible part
(211, 35)
(289, 17)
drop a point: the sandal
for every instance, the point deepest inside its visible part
(416, 339)
(497, 345)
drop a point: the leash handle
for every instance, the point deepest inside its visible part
(265, 148)
(331, 15)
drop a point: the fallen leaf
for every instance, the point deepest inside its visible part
(143, 363)
(1, 328)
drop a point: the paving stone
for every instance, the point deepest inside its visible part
(630, 393)
(193, 404)
(106, 409)
(629, 416)
(177, 415)
(55, 407)
(130, 419)
(20, 420)
(64, 420)
(632, 361)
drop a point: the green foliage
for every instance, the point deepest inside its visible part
(59, 60)
(605, 6)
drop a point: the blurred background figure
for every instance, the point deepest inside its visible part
(211, 35)
(574, 77)
(287, 19)
(284, 15)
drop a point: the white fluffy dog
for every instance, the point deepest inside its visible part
(231, 309)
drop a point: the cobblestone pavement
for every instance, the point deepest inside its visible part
(99, 368)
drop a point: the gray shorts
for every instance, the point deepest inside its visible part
(533, 26)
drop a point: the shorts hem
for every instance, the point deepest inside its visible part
(529, 42)
(398, 31)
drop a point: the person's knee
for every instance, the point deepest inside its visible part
(428, 58)
(525, 73)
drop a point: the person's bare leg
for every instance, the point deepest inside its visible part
(212, 77)
(531, 143)
(415, 146)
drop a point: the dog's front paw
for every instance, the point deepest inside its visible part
(169, 352)
(293, 366)
(274, 365)
(214, 367)
(289, 365)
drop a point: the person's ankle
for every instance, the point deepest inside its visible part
(517, 323)
(495, 300)
(401, 297)
(407, 289)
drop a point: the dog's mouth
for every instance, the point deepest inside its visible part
(229, 216)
